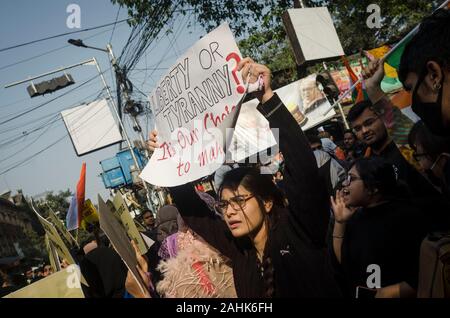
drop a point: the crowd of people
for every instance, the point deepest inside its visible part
(12, 280)
(329, 217)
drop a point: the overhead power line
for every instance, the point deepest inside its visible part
(33, 155)
(45, 103)
(51, 51)
(62, 34)
(46, 148)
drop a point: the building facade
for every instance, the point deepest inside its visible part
(14, 222)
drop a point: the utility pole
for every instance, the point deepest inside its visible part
(301, 69)
(298, 4)
(122, 88)
(93, 61)
(325, 66)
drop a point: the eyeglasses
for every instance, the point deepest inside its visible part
(237, 202)
(349, 179)
(417, 156)
(367, 123)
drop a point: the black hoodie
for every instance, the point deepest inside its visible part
(296, 243)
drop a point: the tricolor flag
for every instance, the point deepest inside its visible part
(75, 213)
(392, 62)
(394, 57)
(390, 81)
(358, 95)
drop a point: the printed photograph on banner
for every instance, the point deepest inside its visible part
(190, 103)
(251, 135)
(304, 101)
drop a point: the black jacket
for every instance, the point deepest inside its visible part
(296, 244)
(388, 235)
(105, 272)
(417, 183)
(435, 206)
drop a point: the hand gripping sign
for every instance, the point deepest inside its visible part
(194, 104)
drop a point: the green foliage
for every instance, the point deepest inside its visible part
(57, 202)
(208, 13)
(397, 18)
(83, 235)
(32, 245)
(258, 23)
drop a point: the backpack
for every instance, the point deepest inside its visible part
(434, 270)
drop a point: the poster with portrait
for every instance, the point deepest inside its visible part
(303, 99)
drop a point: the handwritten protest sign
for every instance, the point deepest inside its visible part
(190, 102)
(119, 240)
(128, 222)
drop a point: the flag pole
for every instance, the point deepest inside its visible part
(74, 239)
(416, 28)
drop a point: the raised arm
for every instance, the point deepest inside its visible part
(197, 215)
(305, 190)
(396, 122)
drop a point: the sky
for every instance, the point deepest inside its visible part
(58, 167)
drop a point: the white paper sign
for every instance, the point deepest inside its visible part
(304, 101)
(91, 127)
(315, 32)
(190, 102)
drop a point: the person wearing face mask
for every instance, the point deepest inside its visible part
(384, 130)
(375, 227)
(433, 155)
(425, 71)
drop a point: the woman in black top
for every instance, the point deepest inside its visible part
(433, 155)
(276, 251)
(377, 244)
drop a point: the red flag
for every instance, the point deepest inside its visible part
(80, 193)
(353, 79)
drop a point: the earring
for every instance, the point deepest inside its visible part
(436, 86)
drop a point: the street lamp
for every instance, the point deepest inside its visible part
(121, 79)
(77, 42)
(123, 88)
(80, 43)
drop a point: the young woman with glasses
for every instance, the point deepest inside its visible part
(433, 155)
(376, 235)
(275, 250)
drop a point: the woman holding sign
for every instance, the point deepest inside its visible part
(276, 251)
